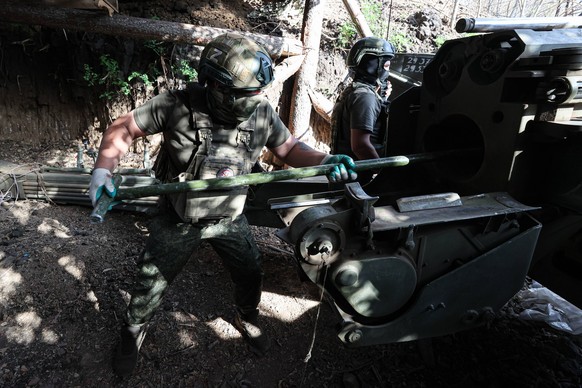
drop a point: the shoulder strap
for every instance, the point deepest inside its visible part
(337, 117)
(201, 122)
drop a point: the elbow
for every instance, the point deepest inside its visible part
(361, 152)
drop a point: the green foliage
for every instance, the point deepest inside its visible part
(347, 33)
(372, 11)
(111, 78)
(187, 71)
(111, 81)
(439, 41)
(157, 47)
(90, 76)
(400, 41)
(143, 77)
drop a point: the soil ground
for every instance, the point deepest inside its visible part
(64, 284)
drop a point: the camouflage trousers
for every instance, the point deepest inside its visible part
(171, 244)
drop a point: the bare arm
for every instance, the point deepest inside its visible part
(117, 139)
(298, 154)
(362, 146)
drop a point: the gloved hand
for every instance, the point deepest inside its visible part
(344, 169)
(101, 180)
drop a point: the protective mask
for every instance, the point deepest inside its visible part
(367, 70)
(384, 69)
(231, 109)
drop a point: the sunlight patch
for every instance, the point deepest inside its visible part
(24, 332)
(49, 226)
(184, 317)
(9, 281)
(22, 215)
(91, 297)
(20, 335)
(49, 336)
(29, 319)
(187, 339)
(70, 265)
(223, 329)
(285, 308)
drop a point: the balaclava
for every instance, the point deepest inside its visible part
(230, 108)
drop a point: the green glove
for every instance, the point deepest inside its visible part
(101, 181)
(344, 169)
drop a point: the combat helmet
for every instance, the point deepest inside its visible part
(369, 46)
(236, 62)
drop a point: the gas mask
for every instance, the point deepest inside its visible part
(231, 107)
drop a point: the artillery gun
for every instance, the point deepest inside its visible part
(432, 248)
(438, 245)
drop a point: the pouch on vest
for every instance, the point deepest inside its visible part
(221, 162)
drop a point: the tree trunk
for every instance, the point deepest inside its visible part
(300, 111)
(132, 27)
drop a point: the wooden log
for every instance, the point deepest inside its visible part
(300, 110)
(110, 6)
(322, 105)
(358, 18)
(287, 68)
(133, 27)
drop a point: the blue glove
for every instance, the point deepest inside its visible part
(101, 180)
(343, 169)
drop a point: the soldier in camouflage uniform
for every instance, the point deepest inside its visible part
(214, 128)
(359, 116)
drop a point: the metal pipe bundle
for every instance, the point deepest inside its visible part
(68, 185)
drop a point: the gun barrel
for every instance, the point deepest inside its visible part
(504, 24)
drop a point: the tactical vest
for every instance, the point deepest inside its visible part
(340, 141)
(223, 151)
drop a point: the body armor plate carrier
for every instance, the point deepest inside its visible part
(223, 151)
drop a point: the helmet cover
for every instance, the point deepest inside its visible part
(369, 46)
(236, 62)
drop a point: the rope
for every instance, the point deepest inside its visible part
(308, 356)
(7, 196)
(42, 186)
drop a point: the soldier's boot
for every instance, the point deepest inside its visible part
(126, 350)
(253, 333)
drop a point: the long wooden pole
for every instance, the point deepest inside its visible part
(133, 27)
(358, 18)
